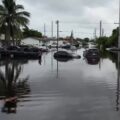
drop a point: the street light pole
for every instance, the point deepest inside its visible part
(119, 27)
(52, 29)
(100, 28)
(44, 30)
(57, 22)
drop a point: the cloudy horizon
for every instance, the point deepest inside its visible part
(81, 16)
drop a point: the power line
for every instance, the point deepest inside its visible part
(74, 22)
(75, 32)
(78, 22)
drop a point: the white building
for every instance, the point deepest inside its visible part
(30, 41)
(2, 37)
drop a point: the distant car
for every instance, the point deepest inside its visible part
(113, 49)
(43, 49)
(13, 48)
(65, 54)
(91, 53)
(66, 46)
(20, 52)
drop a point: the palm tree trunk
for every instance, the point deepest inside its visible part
(7, 36)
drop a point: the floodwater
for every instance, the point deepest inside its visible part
(48, 89)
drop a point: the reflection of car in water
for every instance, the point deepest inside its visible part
(63, 59)
(93, 61)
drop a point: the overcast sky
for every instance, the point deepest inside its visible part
(81, 16)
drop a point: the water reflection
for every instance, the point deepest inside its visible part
(63, 59)
(118, 84)
(93, 61)
(57, 69)
(60, 60)
(113, 56)
(12, 85)
(80, 91)
(40, 61)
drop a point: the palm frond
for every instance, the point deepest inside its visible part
(15, 16)
(19, 7)
(23, 13)
(2, 9)
(22, 20)
(2, 20)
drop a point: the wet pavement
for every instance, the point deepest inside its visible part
(48, 89)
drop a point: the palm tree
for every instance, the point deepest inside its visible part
(10, 79)
(12, 18)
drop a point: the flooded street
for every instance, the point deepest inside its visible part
(48, 89)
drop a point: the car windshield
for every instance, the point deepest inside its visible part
(63, 52)
(93, 50)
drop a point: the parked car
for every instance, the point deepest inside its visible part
(13, 48)
(2, 52)
(43, 49)
(113, 49)
(66, 46)
(91, 53)
(65, 54)
(20, 52)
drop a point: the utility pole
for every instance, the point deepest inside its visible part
(52, 29)
(119, 27)
(57, 22)
(71, 37)
(95, 31)
(100, 28)
(44, 30)
(102, 32)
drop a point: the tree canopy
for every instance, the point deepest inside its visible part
(109, 41)
(12, 18)
(31, 33)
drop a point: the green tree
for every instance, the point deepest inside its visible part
(12, 18)
(102, 42)
(113, 39)
(86, 39)
(31, 33)
(109, 41)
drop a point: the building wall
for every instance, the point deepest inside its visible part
(30, 41)
(2, 37)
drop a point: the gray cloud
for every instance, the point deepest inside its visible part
(78, 13)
